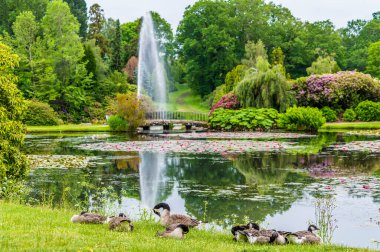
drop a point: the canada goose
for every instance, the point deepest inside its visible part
(235, 229)
(168, 219)
(88, 218)
(306, 237)
(120, 223)
(177, 231)
(255, 236)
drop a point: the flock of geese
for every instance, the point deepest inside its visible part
(178, 225)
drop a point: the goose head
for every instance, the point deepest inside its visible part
(312, 228)
(253, 225)
(122, 215)
(157, 208)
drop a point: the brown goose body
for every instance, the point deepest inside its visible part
(120, 223)
(176, 231)
(167, 219)
(255, 236)
(307, 236)
(88, 218)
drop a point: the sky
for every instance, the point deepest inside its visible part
(338, 11)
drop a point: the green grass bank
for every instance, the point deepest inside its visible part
(69, 128)
(25, 228)
(350, 126)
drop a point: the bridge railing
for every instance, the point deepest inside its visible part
(169, 115)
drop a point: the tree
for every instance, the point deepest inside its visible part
(116, 60)
(207, 37)
(97, 21)
(131, 69)
(79, 9)
(264, 87)
(277, 56)
(323, 65)
(373, 66)
(130, 39)
(253, 52)
(25, 29)
(11, 9)
(13, 164)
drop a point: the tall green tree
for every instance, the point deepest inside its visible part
(25, 30)
(373, 66)
(96, 25)
(79, 9)
(252, 52)
(130, 39)
(116, 60)
(13, 164)
(207, 37)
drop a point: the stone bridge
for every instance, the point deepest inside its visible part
(168, 118)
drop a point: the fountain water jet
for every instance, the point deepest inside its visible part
(151, 70)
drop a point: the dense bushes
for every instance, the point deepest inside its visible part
(13, 164)
(228, 101)
(40, 114)
(329, 114)
(368, 111)
(301, 118)
(243, 119)
(339, 91)
(117, 123)
(349, 115)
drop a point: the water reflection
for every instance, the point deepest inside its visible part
(152, 170)
(277, 189)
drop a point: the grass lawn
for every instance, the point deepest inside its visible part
(350, 126)
(24, 228)
(184, 100)
(68, 128)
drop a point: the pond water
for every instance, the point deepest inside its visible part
(282, 181)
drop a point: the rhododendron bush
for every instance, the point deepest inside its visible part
(341, 90)
(228, 101)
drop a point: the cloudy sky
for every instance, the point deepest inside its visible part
(338, 11)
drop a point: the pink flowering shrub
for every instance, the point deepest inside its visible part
(340, 91)
(228, 101)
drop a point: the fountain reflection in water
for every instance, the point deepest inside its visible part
(152, 177)
(151, 70)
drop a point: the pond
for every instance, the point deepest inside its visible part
(283, 181)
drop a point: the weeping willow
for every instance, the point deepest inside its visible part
(264, 87)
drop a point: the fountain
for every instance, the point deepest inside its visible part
(151, 71)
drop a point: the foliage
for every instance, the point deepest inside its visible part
(13, 163)
(252, 52)
(368, 111)
(349, 115)
(329, 114)
(243, 119)
(301, 118)
(131, 69)
(208, 48)
(117, 123)
(217, 94)
(264, 87)
(340, 90)
(79, 9)
(130, 38)
(96, 113)
(228, 101)
(116, 60)
(97, 21)
(234, 76)
(40, 114)
(373, 66)
(323, 65)
(131, 109)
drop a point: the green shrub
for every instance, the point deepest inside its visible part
(329, 114)
(349, 115)
(117, 123)
(96, 113)
(368, 111)
(243, 119)
(40, 114)
(301, 118)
